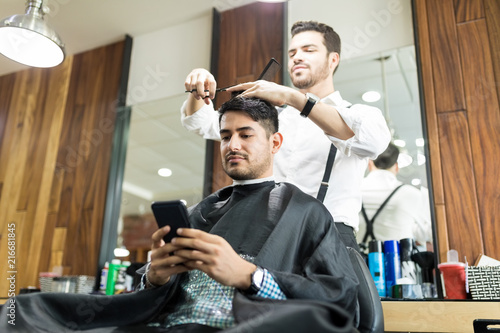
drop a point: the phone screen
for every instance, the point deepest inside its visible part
(173, 213)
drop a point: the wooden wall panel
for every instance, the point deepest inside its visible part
(458, 178)
(468, 10)
(6, 86)
(445, 55)
(459, 54)
(243, 59)
(423, 50)
(484, 121)
(492, 10)
(56, 129)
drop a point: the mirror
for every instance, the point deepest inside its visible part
(378, 54)
(157, 141)
(393, 74)
(379, 29)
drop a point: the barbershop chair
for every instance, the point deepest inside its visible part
(370, 307)
(483, 325)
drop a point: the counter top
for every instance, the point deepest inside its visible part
(437, 316)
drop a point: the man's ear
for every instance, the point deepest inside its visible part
(333, 60)
(371, 165)
(277, 140)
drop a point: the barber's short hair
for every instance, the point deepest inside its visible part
(388, 158)
(259, 110)
(331, 38)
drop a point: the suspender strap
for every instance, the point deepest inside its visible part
(369, 223)
(328, 171)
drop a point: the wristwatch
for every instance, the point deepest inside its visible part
(257, 278)
(311, 101)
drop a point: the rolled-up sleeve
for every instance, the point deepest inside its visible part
(204, 122)
(371, 133)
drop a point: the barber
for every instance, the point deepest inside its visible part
(320, 128)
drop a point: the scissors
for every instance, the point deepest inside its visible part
(272, 67)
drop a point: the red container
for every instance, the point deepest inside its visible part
(454, 279)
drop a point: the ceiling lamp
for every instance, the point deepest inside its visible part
(27, 39)
(165, 172)
(400, 143)
(371, 96)
(404, 160)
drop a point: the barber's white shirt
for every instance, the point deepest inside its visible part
(406, 214)
(303, 155)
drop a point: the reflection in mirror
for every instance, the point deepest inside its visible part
(392, 77)
(378, 54)
(157, 141)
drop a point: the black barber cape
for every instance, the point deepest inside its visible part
(288, 232)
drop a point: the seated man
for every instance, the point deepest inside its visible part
(261, 256)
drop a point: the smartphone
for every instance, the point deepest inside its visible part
(173, 213)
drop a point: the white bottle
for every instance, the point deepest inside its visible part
(104, 278)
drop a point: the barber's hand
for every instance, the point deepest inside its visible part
(274, 93)
(163, 264)
(204, 84)
(214, 256)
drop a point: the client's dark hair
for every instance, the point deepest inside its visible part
(388, 158)
(259, 110)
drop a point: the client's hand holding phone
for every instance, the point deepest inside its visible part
(172, 213)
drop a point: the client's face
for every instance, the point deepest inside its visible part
(246, 151)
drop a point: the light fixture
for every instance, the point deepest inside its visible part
(121, 252)
(404, 160)
(419, 142)
(400, 143)
(27, 39)
(420, 159)
(371, 96)
(165, 172)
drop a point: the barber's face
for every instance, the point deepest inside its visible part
(309, 63)
(246, 151)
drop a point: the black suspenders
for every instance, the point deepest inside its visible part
(369, 223)
(328, 171)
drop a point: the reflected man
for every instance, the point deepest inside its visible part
(405, 215)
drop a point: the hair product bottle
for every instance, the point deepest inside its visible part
(392, 265)
(376, 265)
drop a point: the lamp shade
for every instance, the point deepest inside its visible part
(28, 39)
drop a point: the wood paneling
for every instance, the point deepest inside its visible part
(468, 10)
(423, 50)
(458, 180)
(492, 8)
(484, 121)
(243, 59)
(445, 55)
(459, 51)
(56, 128)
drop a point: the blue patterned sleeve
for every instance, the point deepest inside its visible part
(270, 289)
